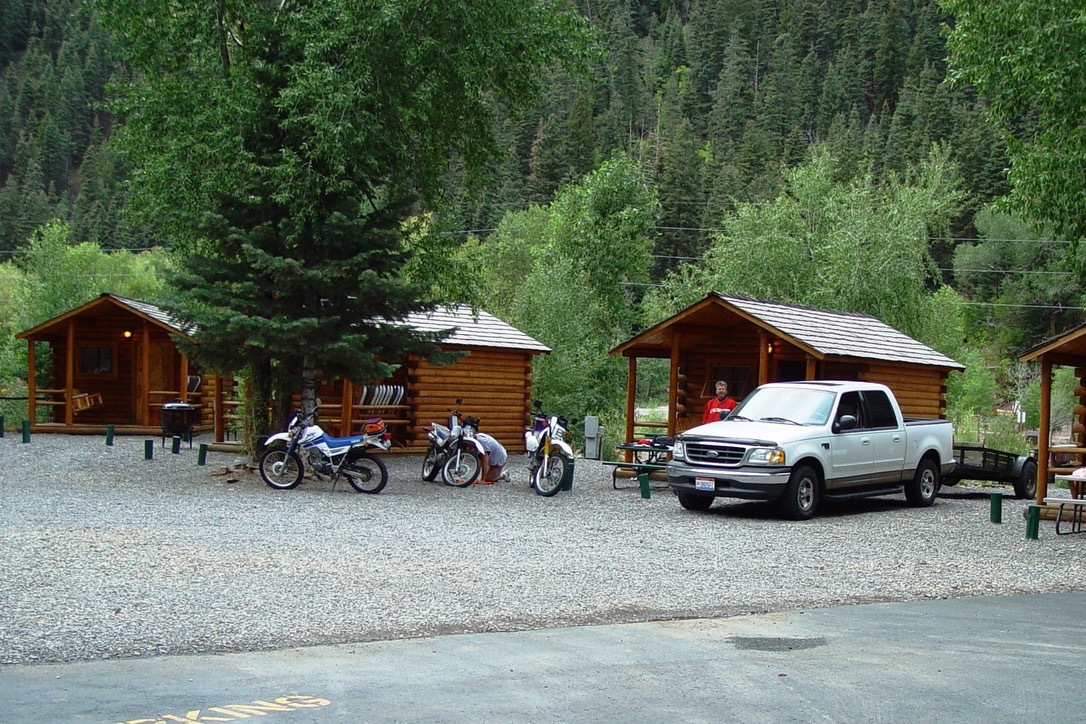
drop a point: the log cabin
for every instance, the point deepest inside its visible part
(114, 361)
(748, 342)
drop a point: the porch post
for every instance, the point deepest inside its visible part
(31, 383)
(631, 394)
(69, 379)
(346, 409)
(145, 377)
(812, 368)
(220, 423)
(673, 386)
(184, 390)
(1045, 424)
(763, 357)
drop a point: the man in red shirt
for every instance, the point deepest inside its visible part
(718, 406)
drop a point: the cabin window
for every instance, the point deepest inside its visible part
(96, 360)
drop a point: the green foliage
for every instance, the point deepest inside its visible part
(1026, 59)
(578, 297)
(52, 276)
(853, 245)
(286, 145)
(1025, 276)
(974, 390)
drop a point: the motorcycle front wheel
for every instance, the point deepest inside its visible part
(460, 469)
(280, 470)
(431, 464)
(550, 483)
(366, 473)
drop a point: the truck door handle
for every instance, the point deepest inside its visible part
(897, 438)
(865, 441)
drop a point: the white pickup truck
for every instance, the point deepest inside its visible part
(800, 442)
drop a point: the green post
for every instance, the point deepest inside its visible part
(1, 425)
(148, 449)
(643, 479)
(176, 445)
(201, 458)
(567, 477)
(109, 435)
(996, 501)
(26, 430)
(1033, 522)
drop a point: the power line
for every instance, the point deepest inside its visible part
(1008, 271)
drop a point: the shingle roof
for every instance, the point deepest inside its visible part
(474, 330)
(155, 313)
(842, 334)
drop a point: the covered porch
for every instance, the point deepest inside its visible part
(112, 361)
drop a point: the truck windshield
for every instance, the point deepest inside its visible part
(785, 405)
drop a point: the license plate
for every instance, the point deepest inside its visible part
(704, 484)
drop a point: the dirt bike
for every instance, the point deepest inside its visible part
(463, 463)
(443, 440)
(281, 464)
(549, 455)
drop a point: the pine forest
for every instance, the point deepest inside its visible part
(821, 152)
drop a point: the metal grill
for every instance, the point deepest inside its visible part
(707, 452)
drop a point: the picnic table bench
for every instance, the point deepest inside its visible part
(649, 463)
(1076, 513)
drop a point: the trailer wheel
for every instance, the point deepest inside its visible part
(1026, 485)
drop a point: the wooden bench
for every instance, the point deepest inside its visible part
(1077, 513)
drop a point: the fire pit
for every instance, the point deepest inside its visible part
(178, 419)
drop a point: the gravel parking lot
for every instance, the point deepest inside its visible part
(107, 554)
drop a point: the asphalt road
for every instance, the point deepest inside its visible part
(986, 659)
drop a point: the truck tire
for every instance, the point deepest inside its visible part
(800, 499)
(1026, 485)
(922, 489)
(695, 502)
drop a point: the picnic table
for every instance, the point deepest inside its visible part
(649, 463)
(1076, 504)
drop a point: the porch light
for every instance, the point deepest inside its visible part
(127, 333)
(769, 348)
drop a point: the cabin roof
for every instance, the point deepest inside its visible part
(819, 332)
(1068, 348)
(99, 306)
(474, 329)
(469, 329)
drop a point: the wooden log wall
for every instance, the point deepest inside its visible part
(495, 386)
(920, 390)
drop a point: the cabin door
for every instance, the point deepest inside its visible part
(160, 376)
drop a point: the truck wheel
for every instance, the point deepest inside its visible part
(800, 500)
(1026, 485)
(922, 489)
(695, 502)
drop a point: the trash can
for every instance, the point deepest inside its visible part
(567, 478)
(178, 418)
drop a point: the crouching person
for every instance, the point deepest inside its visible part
(494, 459)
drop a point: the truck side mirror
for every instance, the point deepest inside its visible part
(845, 422)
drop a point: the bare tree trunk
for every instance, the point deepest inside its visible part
(258, 387)
(309, 384)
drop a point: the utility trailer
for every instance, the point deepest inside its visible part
(976, 462)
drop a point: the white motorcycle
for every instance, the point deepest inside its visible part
(549, 455)
(463, 462)
(281, 464)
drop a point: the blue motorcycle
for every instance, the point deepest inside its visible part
(281, 463)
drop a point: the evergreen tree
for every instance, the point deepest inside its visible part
(286, 146)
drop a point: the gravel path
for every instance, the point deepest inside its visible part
(108, 555)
